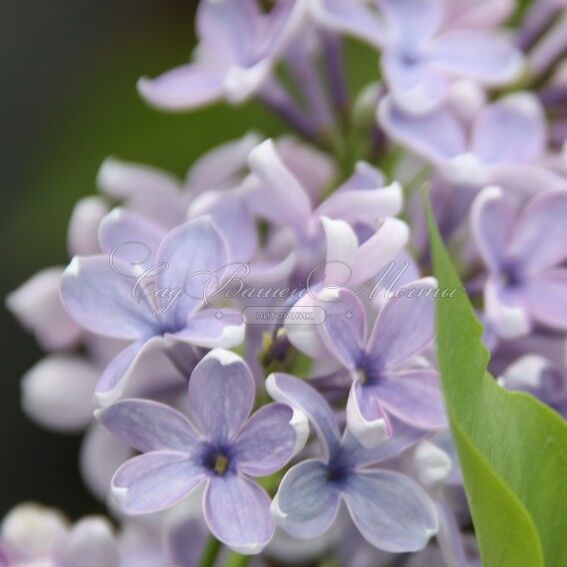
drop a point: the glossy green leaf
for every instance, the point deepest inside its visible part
(512, 448)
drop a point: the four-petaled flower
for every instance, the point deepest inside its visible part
(383, 383)
(420, 58)
(164, 311)
(524, 254)
(389, 509)
(219, 448)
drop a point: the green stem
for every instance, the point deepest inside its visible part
(236, 560)
(210, 553)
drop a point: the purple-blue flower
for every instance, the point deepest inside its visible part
(220, 448)
(504, 144)
(164, 310)
(384, 382)
(420, 58)
(389, 509)
(238, 47)
(524, 253)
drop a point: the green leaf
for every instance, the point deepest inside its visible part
(512, 448)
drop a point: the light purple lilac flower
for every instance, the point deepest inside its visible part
(504, 145)
(523, 253)
(348, 263)
(384, 382)
(220, 448)
(238, 47)
(35, 535)
(209, 188)
(100, 296)
(390, 510)
(419, 58)
(275, 193)
(540, 377)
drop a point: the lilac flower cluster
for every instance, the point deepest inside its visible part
(250, 351)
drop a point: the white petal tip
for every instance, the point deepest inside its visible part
(300, 424)
(225, 357)
(432, 463)
(73, 268)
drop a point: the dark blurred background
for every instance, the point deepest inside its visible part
(67, 101)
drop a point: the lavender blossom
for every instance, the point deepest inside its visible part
(33, 535)
(420, 58)
(523, 253)
(383, 380)
(389, 509)
(219, 449)
(504, 145)
(238, 47)
(98, 292)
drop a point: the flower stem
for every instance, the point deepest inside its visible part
(210, 552)
(237, 560)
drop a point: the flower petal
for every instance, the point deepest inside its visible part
(277, 194)
(231, 29)
(366, 419)
(146, 368)
(313, 168)
(232, 219)
(212, 328)
(413, 396)
(512, 130)
(90, 543)
(293, 391)
(380, 250)
(267, 441)
(483, 55)
(100, 456)
(38, 308)
(412, 22)
(436, 136)
(492, 219)
(404, 327)
(147, 426)
(57, 392)
(416, 87)
(403, 437)
(221, 395)
(363, 198)
(539, 239)
(525, 180)
(222, 167)
(545, 297)
(155, 481)
(306, 503)
(146, 190)
(391, 511)
(237, 512)
(344, 336)
(185, 87)
(506, 314)
(82, 233)
(479, 13)
(131, 238)
(99, 296)
(342, 245)
(353, 18)
(191, 254)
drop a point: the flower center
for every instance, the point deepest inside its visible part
(221, 464)
(512, 276)
(362, 375)
(217, 460)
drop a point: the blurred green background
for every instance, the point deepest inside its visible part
(68, 101)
